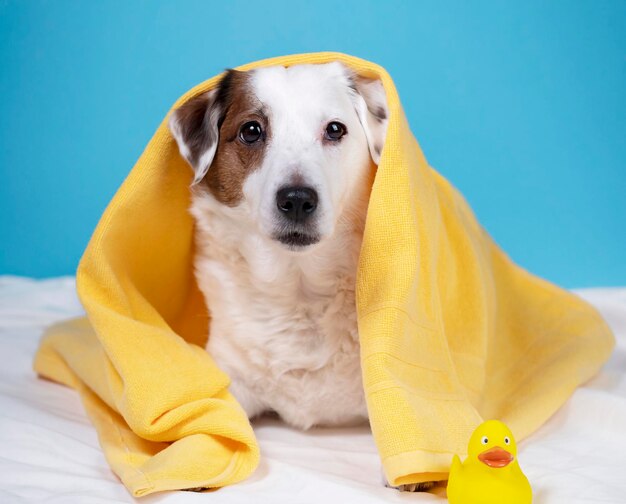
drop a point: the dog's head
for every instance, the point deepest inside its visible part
(289, 148)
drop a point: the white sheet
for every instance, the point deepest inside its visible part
(49, 451)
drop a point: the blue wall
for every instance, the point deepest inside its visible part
(522, 105)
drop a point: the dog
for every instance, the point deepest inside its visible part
(283, 161)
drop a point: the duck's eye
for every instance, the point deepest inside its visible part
(507, 440)
(335, 130)
(250, 132)
(484, 440)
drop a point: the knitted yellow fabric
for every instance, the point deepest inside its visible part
(452, 332)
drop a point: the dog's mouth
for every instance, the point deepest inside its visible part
(297, 240)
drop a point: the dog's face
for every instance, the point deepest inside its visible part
(286, 148)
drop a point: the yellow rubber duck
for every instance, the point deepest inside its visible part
(491, 473)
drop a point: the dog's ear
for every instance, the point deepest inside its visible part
(195, 126)
(370, 102)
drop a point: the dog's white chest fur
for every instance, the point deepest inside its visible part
(283, 326)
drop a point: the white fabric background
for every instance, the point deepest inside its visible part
(49, 451)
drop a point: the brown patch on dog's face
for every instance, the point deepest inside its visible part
(235, 159)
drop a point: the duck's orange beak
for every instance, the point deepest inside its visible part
(496, 457)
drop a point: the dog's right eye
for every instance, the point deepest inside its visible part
(250, 132)
(335, 130)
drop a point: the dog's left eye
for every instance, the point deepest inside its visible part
(250, 132)
(335, 130)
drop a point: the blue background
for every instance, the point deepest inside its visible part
(522, 105)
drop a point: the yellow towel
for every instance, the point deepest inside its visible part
(451, 331)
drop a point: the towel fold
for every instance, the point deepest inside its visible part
(451, 331)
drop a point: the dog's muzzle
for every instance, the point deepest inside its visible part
(296, 208)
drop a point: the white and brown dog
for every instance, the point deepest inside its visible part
(284, 160)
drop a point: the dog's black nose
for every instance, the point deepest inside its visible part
(296, 203)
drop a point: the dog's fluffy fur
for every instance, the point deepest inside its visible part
(283, 316)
